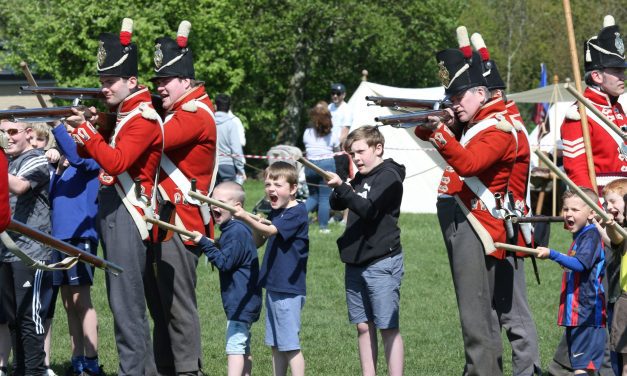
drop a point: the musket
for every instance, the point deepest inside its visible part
(325, 175)
(397, 103)
(525, 229)
(412, 119)
(64, 247)
(41, 114)
(538, 218)
(80, 93)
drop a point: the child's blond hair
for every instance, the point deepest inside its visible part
(43, 131)
(369, 133)
(281, 169)
(618, 186)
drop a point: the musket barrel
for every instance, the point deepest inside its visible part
(85, 92)
(405, 102)
(64, 247)
(413, 119)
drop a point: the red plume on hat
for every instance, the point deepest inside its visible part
(183, 33)
(479, 45)
(464, 42)
(126, 33)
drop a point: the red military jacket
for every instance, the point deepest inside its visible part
(489, 156)
(190, 139)
(138, 144)
(5, 209)
(609, 161)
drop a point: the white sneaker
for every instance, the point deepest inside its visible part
(50, 372)
(324, 231)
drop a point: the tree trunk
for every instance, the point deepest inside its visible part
(289, 129)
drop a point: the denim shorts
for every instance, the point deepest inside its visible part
(283, 320)
(373, 292)
(237, 337)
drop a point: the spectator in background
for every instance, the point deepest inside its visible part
(342, 120)
(26, 292)
(320, 143)
(230, 153)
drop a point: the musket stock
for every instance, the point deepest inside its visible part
(64, 247)
(412, 119)
(408, 102)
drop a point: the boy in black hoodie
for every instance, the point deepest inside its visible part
(371, 247)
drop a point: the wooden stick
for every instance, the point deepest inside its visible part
(31, 82)
(224, 206)
(517, 248)
(577, 77)
(169, 226)
(325, 175)
(595, 110)
(593, 205)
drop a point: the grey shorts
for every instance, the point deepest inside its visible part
(373, 292)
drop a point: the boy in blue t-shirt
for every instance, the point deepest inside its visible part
(284, 265)
(236, 258)
(582, 300)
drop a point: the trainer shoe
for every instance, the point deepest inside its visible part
(50, 372)
(87, 372)
(324, 231)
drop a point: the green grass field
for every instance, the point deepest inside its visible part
(429, 319)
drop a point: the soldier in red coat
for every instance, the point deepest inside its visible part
(605, 76)
(129, 155)
(189, 153)
(479, 166)
(515, 316)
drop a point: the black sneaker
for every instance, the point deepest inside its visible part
(87, 372)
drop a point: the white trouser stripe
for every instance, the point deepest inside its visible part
(36, 302)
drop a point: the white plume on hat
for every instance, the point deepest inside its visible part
(608, 21)
(127, 25)
(183, 32)
(464, 41)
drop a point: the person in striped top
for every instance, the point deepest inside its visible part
(582, 299)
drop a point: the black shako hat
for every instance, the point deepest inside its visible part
(173, 58)
(606, 50)
(117, 56)
(459, 73)
(490, 71)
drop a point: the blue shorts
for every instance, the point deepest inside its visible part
(237, 337)
(373, 292)
(586, 345)
(80, 274)
(283, 320)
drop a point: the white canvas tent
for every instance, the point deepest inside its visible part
(422, 162)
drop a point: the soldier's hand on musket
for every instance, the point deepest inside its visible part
(335, 180)
(75, 120)
(432, 122)
(91, 115)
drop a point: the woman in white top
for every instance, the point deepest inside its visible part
(320, 144)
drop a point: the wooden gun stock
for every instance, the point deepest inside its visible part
(64, 247)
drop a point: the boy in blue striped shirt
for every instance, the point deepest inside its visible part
(582, 300)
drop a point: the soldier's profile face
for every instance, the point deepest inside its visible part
(467, 104)
(171, 89)
(115, 89)
(612, 81)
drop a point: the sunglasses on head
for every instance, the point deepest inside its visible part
(12, 131)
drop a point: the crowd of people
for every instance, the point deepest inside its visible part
(91, 180)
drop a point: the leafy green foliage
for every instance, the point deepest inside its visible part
(258, 51)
